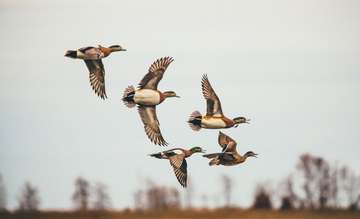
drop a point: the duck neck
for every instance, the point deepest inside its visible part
(188, 153)
(165, 95)
(105, 50)
(244, 157)
(229, 122)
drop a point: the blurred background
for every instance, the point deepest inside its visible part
(293, 67)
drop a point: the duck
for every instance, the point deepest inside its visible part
(177, 158)
(214, 118)
(228, 156)
(93, 59)
(147, 97)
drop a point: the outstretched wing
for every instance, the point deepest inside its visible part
(212, 100)
(155, 73)
(179, 165)
(97, 76)
(151, 124)
(228, 144)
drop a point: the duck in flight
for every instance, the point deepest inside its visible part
(92, 57)
(147, 96)
(229, 156)
(214, 118)
(177, 158)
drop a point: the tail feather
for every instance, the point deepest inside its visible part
(128, 96)
(71, 54)
(157, 155)
(195, 121)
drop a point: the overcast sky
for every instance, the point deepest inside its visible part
(293, 67)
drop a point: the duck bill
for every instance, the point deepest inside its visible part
(247, 121)
(123, 50)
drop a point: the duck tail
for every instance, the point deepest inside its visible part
(195, 120)
(157, 155)
(71, 54)
(128, 97)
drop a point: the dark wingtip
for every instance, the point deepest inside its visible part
(205, 77)
(71, 54)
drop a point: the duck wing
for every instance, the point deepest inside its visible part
(84, 49)
(179, 165)
(226, 156)
(97, 76)
(174, 151)
(212, 100)
(213, 155)
(228, 144)
(155, 73)
(92, 53)
(151, 124)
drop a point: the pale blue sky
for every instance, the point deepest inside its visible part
(293, 67)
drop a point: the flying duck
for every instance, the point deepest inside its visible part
(229, 155)
(92, 57)
(147, 96)
(214, 118)
(177, 160)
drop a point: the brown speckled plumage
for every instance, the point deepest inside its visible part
(229, 155)
(148, 89)
(92, 57)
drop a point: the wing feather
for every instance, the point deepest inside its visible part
(179, 165)
(227, 143)
(226, 156)
(97, 76)
(151, 124)
(155, 73)
(212, 101)
(84, 49)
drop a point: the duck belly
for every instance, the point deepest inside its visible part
(147, 97)
(213, 123)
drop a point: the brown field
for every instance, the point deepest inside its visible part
(194, 214)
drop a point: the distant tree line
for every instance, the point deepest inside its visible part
(85, 197)
(88, 197)
(156, 197)
(314, 184)
(2, 195)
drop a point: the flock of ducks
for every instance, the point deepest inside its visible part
(147, 96)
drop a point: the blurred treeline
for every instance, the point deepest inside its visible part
(315, 184)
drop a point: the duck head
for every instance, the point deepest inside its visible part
(239, 120)
(170, 94)
(250, 154)
(116, 48)
(197, 150)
